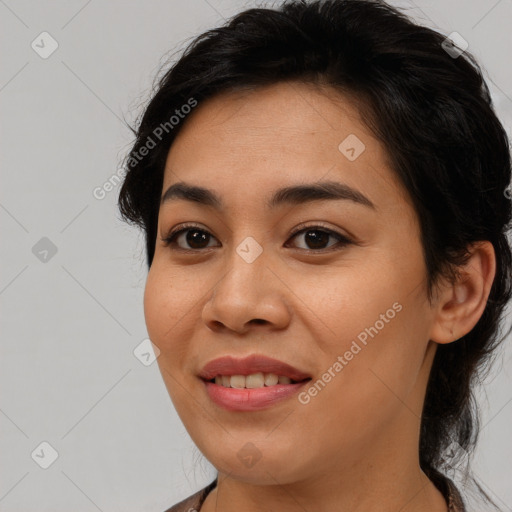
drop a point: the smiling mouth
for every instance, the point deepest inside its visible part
(254, 380)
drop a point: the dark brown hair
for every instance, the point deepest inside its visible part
(433, 113)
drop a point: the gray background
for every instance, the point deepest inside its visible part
(71, 320)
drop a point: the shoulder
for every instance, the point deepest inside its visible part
(193, 503)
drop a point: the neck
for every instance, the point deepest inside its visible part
(388, 481)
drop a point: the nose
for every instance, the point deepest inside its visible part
(247, 295)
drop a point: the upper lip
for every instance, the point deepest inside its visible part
(255, 363)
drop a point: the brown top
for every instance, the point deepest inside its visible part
(455, 503)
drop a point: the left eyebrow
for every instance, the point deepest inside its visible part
(296, 194)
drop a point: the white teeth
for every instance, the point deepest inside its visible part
(237, 381)
(255, 380)
(271, 379)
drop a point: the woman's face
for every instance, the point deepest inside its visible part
(332, 285)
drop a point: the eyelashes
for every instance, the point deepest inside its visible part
(170, 240)
(194, 235)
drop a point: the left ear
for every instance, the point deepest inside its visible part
(460, 305)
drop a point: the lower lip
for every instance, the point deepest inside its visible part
(233, 399)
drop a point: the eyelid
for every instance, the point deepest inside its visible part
(342, 238)
(170, 238)
(318, 224)
(184, 227)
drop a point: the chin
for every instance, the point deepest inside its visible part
(280, 469)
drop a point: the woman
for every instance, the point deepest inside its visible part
(323, 192)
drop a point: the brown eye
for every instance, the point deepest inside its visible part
(191, 238)
(317, 238)
(196, 238)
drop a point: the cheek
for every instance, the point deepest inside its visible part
(351, 304)
(165, 309)
(377, 323)
(363, 387)
(165, 303)
(155, 308)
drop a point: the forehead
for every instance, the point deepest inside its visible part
(287, 133)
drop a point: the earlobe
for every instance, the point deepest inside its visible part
(461, 304)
